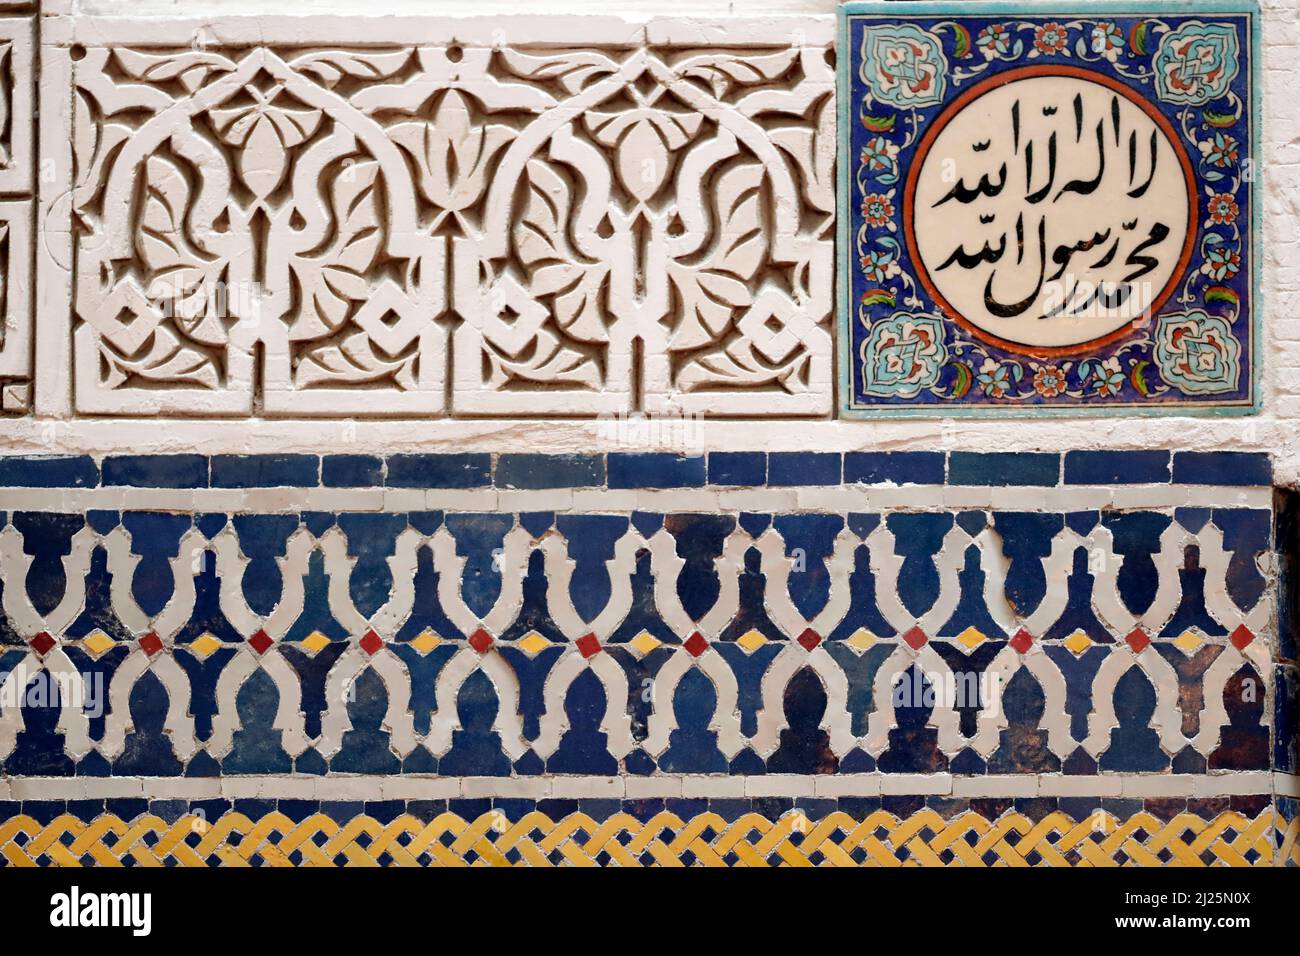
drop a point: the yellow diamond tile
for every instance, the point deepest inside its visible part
(314, 642)
(97, 642)
(861, 640)
(971, 637)
(1078, 642)
(644, 643)
(532, 644)
(1188, 642)
(205, 646)
(426, 641)
(751, 641)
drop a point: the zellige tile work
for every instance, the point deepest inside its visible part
(442, 434)
(691, 678)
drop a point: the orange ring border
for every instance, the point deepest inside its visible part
(1012, 76)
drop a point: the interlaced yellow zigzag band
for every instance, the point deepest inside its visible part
(881, 839)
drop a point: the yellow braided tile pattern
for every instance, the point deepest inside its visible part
(923, 839)
(1288, 853)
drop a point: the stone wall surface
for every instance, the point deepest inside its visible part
(420, 446)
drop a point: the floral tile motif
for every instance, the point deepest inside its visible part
(1048, 208)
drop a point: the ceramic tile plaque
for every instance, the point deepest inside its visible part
(1048, 208)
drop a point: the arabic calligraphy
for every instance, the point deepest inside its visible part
(1049, 210)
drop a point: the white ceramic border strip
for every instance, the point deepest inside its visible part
(415, 787)
(837, 498)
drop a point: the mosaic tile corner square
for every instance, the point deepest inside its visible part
(1049, 208)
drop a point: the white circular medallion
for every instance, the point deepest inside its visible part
(1050, 211)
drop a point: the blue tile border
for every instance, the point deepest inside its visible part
(632, 470)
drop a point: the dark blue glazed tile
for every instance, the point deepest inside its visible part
(655, 470)
(156, 471)
(478, 536)
(102, 522)
(147, 751)
(584, 747)
(1222, 468)
(52, 471)
(425, 522)
(918, 537)
(754, 523)
(737, 468)
(1003, 468)
(372, 540)
(787, 468)
(47, 537)
(810, 540)
(1134, 745)
(366, 745)
(263, 539)
(591, 539)
(319, 522)
(537, 523)
(550, 471)
(647, 523)
(1116, 467)
(156, 537)
(894, 467)
(352, 471)
(1286, 720)
(265, 471)
(469, 470)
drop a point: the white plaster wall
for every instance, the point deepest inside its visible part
(1275, 430)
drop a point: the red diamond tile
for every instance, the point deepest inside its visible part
(696, 644)
(41, 643)
(588, 646)
(1241, 637)
(261, 642)
(1138, 640)
(809, 639)
(1022, 642)
(480, 640)
(915, 638)
(372, 643)
(151, 644)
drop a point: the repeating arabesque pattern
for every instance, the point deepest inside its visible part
(466, 643)
(454, 229)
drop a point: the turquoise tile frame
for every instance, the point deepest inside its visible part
(852, 404)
